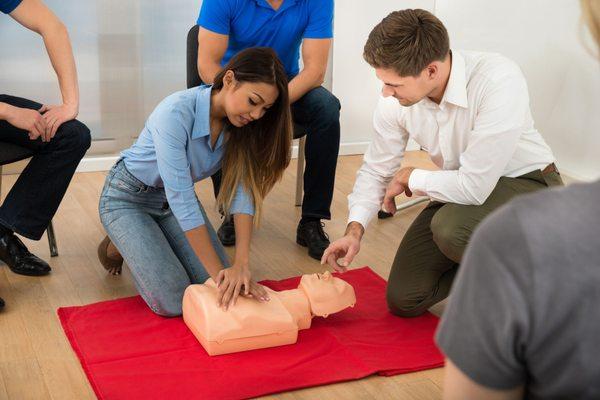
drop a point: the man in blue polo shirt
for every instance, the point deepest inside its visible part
(229, 26)
(57, 140)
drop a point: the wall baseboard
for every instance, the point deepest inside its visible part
(103, 163)
(95, 164)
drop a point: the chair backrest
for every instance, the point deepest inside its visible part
(193, 78)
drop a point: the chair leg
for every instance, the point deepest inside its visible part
(300, 172)
(52, 240)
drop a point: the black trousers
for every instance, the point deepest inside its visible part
(318, 111)
(35, 197)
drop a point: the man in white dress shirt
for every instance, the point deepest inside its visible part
(470, 112)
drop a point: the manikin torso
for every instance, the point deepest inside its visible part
(253, 325)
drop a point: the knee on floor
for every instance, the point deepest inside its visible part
(166, 306)
(401, 305)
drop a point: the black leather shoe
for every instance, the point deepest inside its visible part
(384, 214)
(14, 253)
(226, 232)
(311, 234)
(1, 304)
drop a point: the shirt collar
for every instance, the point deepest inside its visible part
(201, 126)
(456, 89)
(285, 5)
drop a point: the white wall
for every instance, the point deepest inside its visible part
(543, 37)
(354, 81)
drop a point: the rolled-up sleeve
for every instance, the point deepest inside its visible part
(242, 202)
(170, 139)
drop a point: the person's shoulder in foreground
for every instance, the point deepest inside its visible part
(524, 309)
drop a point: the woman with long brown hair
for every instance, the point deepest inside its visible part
(148, 205)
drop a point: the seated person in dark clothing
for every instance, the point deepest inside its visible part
(57, 139)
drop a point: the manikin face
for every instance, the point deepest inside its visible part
(408, 90)
(247, 101)
(327, 294)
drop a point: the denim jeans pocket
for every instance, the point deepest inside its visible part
(123, 180)
(124, 185)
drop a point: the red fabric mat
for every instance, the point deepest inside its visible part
(128, 352)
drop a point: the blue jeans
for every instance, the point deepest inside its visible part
(140, 223)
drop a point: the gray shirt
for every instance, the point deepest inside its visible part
(525, 307)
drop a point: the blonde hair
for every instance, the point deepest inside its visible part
(257, 154)
(590, 12)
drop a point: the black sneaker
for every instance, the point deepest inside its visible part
(311, 234)
(226, 232)
(15, 254)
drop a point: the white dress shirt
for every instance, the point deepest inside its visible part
(481, 130)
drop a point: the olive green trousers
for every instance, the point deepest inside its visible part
(430, 252)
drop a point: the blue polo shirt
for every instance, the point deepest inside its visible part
(7, 6)
(254, 23)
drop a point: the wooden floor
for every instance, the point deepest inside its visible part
(36, 361)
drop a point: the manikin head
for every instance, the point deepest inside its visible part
(410, 51)
(327, 294)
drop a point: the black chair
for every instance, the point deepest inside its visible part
(10, 153)
(193, 80)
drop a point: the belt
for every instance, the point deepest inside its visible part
(549, 169)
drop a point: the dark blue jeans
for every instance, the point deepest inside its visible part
(319, 112)
(35, 197)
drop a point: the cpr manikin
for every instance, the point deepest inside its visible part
(251, 324)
